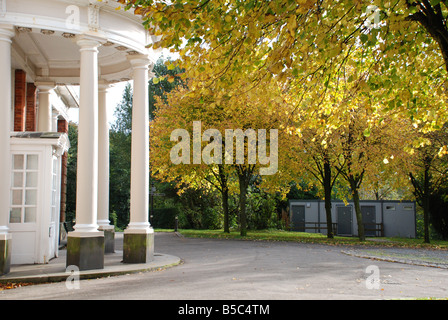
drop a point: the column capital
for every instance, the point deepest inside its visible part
(104, 86)
(89, 42)
(139, 61)
(6, 32)
(45, 85)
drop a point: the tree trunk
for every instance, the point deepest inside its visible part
(327, 192)
(426, 202)
(243, 198)
(426, 218)
(421, 192)
(244, 175)
(225, 207)
(225, 197)
(361, 233)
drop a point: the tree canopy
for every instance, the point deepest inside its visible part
(357, 83)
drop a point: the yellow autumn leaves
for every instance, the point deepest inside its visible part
(318, 63)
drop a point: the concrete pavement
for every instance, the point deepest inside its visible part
(56, 271)
(214, 269)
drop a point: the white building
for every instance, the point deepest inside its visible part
(46, 48)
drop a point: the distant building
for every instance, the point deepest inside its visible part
(382, 218)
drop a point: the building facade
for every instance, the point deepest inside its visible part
(383, 218)
(56, 55)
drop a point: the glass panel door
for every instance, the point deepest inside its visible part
(55, 205)
(24, 188)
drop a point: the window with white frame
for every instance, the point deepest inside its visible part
(24, 188)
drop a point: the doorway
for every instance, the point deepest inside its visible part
(344, 216)
(369, 220)
(298, 218)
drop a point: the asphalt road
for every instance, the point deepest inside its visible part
(253, 270)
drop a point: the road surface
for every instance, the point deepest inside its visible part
(253, 270)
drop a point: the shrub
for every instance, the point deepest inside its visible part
(164, 218)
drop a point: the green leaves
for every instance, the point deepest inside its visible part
(366, 132)
(364, 37)
(325, 61)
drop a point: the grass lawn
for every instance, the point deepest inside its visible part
(304, 237)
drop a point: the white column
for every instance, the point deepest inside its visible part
(85, 245)
(103, 159)
(44, 115)
(5, 128)
(54, 121)
(139, 207)
(87, 170)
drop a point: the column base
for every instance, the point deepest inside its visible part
(138, 246)
(85, 250)
(109, 238)
(5, 253)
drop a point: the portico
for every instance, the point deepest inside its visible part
(99, 46)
